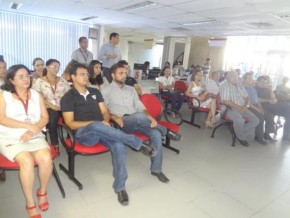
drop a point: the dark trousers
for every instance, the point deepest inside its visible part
(107, 74)
(52, 125)
(281, 109)
(268, 119)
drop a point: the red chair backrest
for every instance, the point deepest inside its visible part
(180, 86)
(152, 104)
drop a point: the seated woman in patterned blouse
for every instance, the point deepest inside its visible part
(52, 88)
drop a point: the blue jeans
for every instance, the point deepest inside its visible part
(139, 122)
(115, 140)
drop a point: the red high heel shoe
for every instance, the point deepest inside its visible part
(43, 206)
(31, 208)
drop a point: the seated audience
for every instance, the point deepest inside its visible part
(22, 117)
(263, 115)
(65, 74)
(283, 90)
(237, 101)
(166, 87)
(52, 89)
(196, 90)
(130, 81)
(270, 103)
(3, 69)
(96, 79)
(86, 114)
(128, 111)
(38, 65)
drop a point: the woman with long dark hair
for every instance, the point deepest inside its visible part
(96, 79)
(22, 117)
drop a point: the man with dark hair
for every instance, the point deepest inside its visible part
(131, 81)
(128, 111)
(270, 103)
(85, 113)
(110, 54)
(82, 54)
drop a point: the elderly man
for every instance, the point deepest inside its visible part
(236, 98)
(110, 54)
(270, 103)
(128, 111)
(82, 54)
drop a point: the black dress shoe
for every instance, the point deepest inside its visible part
(243, 142)
(148, 150)
(269, 138)
(260, 140)
(2, 175)
(174, 135)
(161, 177)
(123, 197)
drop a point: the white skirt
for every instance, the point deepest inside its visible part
(11, 147)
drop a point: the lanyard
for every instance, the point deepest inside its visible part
(25, 104)
(55, 86)
(85, 57)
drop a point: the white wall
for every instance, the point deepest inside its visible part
(138, 54)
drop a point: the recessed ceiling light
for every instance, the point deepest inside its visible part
(200, 22)
(89, 18)
(15, 5)
(138, 6)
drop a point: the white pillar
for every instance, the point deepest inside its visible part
(168, 50)
(186, 52)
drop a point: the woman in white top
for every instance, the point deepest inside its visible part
(52, 88)
(197, 90)
(166, 87)
(96, 79)
(22, 117)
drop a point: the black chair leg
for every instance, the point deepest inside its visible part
(215, 129)
(57, 179)
(70, 171)
(167, 145)
(191, 122)
(232, 131)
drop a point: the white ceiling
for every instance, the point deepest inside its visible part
(236, 17)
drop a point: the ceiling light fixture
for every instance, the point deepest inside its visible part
(138, 6)
(15, 5)
(200, 22)
(89, 18)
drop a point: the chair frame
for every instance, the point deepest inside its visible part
(70, 171)
(54, 172)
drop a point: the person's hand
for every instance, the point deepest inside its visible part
(26, 136)
(119, 121)
(242, 109)
(153, 121)
(33, 128)
(106, 123)
(260, 110)
(273, 101)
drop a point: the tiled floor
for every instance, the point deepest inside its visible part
(209, 178)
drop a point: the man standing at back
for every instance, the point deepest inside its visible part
(82, 54)
(128, 111)
(110, 54)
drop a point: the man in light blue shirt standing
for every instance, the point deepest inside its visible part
(110, 54)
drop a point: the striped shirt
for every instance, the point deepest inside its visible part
(234, 93)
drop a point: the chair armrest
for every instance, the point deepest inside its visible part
(166, 113)
(61, 127)
(115, 124)
(189, 102)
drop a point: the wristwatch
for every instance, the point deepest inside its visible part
(248, 106)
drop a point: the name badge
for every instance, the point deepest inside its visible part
(27, 120)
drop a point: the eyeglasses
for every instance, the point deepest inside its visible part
(83, 74)
(21, 77)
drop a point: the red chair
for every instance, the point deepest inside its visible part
(179, 87)
(226, 121)
(154, 108)
(74, 148)
(7, 165)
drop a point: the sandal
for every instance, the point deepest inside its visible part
(43, 206)
(31, 208)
